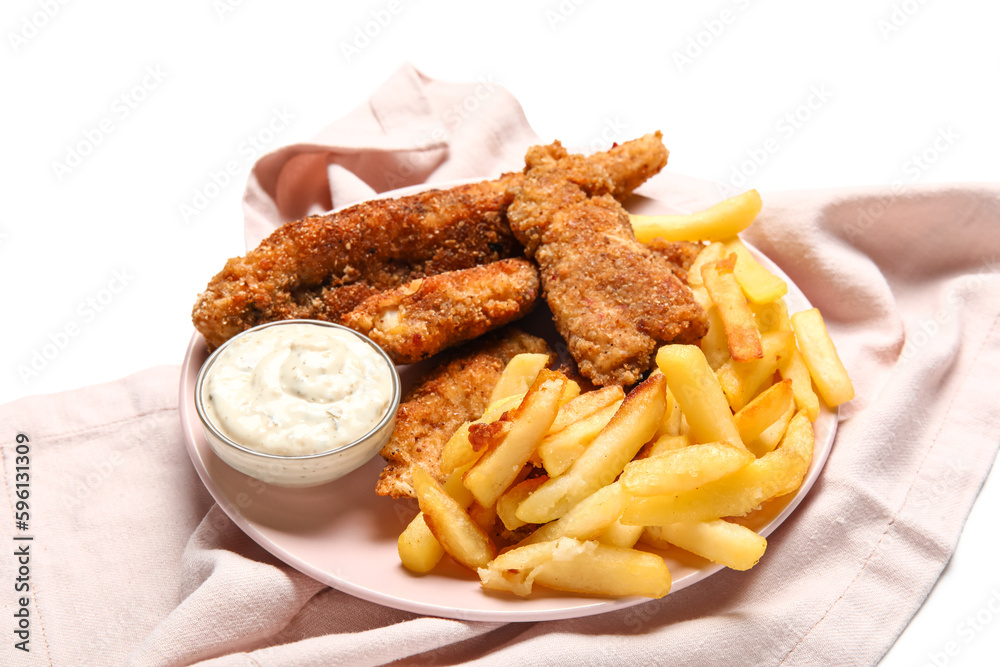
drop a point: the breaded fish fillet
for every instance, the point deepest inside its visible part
(427, 315)
(613, 299)
(456, 391)
(324, 266)
(630, 164)
(680, 254)
(618, 172)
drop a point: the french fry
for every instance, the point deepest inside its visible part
(631, 427)
(484, 517)
(742, 335)
(588, 567)
(508, 503)
(585, 405)
(714, 343)
(794, 368)
(454, 487)
(711, 253)
(484, 437)
(763, 412)
(697, 391)
(620, 535)
(419, 550)
(494, 472)
(734, 495)
(771, 316)
(568, 398)
(668, 443)
(822, 360)
(513, 570)
(772, 435)
(758, 284)
(450, 524)
(799, 442)
(559, 450)
(519, 374)
(683, 469)
(725, 219)
(570, 392)
(587, 519)
(741, 381)
(459, 452)
(701, 296)
(730, 544)
(535, 461)
(670, 424)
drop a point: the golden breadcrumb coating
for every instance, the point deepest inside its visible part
(324, 266)
(428, 315)
(613, 299)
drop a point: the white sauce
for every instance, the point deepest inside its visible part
(297, 389)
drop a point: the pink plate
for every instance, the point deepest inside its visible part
(344, 535)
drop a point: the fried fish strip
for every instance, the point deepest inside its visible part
(614, 300)
(617, 172)
(427, 315)
(455, 391)
(680, 254)
(324, 266)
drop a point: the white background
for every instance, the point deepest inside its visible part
(884, 79)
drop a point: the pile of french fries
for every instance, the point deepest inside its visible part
(567, 490)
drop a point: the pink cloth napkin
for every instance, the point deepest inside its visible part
(132, 563)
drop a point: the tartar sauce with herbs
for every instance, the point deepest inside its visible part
(297, 389)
